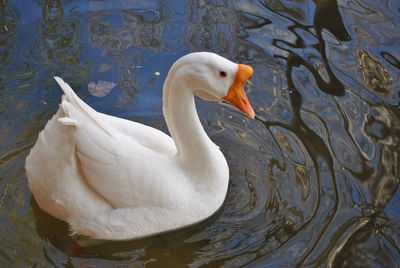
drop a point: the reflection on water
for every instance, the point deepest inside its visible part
(314, 179)
(374, 75)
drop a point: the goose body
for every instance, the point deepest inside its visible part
(115, 179)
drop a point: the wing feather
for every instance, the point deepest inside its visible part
(114, 163)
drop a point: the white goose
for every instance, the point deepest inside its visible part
(115, 179)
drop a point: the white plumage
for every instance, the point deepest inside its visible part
(111, 178)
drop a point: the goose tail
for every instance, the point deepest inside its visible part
(71, 102)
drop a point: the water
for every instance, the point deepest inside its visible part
(314, 179)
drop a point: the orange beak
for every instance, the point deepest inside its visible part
(236, 94)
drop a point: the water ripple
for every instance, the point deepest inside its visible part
(313, 180)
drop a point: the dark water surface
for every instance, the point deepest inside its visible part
(314, 180)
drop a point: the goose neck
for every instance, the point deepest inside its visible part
(182, 119)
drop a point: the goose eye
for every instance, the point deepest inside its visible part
(222, 74)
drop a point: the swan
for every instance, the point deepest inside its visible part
(114, 179)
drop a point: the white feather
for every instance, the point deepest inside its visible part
(111, 178)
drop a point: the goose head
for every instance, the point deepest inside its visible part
(214, 78)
